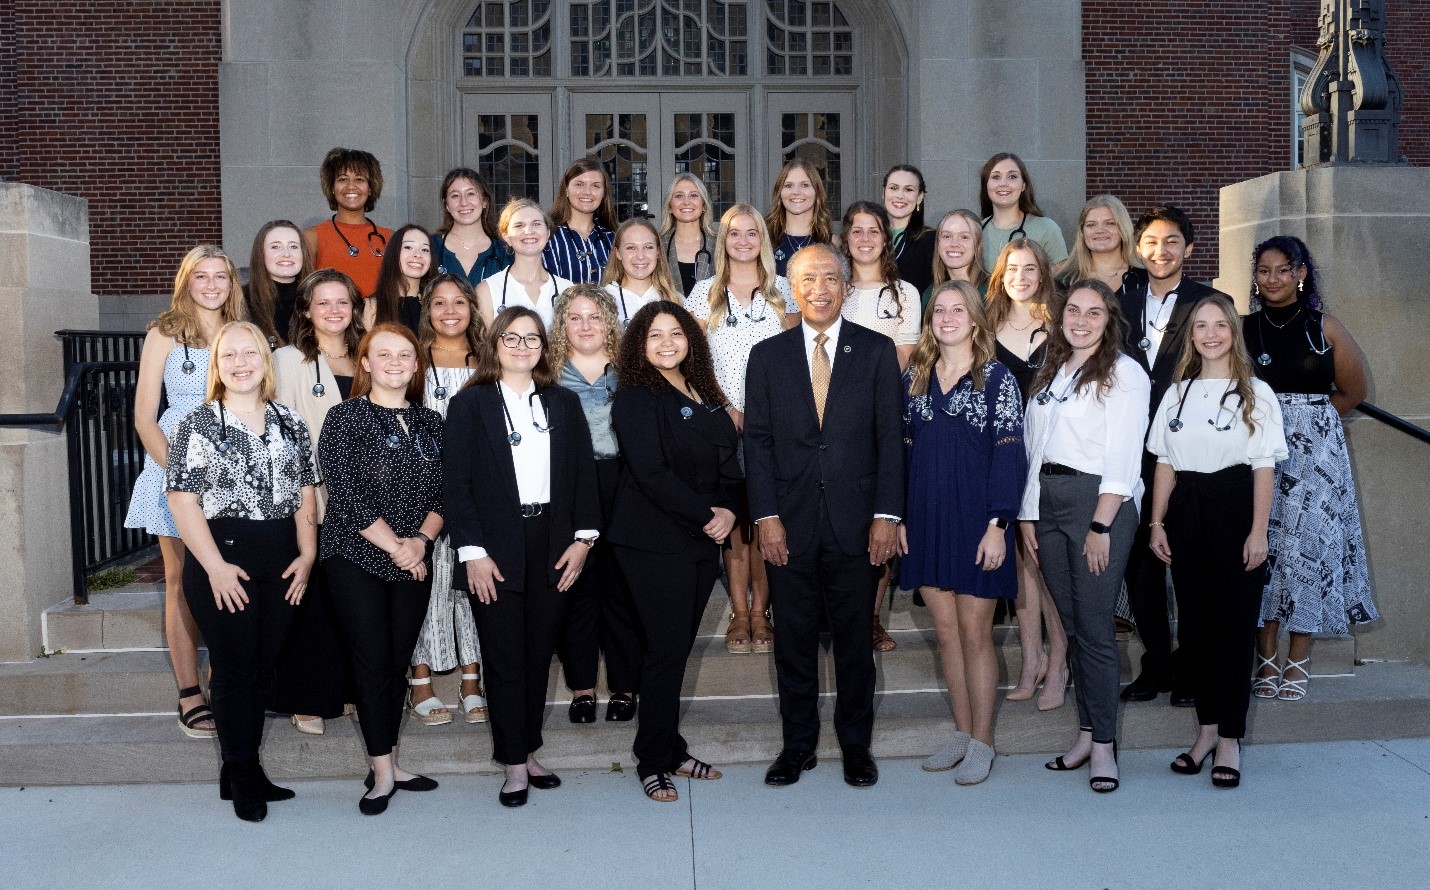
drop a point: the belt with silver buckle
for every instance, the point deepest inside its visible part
(530, 510)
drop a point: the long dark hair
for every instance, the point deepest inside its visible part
(390, 289)
(262, 291)
(1296, 251)
(634, 369)
(888, 266)
(605, 211)
(489, 366)
(476, 331)
(1099, 370)
(489, 214)
(1026, 202)
(916, 225)
(303, 335)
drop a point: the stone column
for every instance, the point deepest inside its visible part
(1366, 227)
(44, 287)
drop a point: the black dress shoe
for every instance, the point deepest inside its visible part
(621, 708)
(374, 806)
(269, 792)
(416, 783)
(512, 798)
(545, 783)
(1146, 687)
(859, 768)
(583, 709)
(1183, 697)
(788, 766)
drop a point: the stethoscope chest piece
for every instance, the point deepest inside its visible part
(513, 438)
(686, 413)
(1263, 360)
(1144, 344)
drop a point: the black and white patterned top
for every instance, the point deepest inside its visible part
(377, 469)
(252, 477)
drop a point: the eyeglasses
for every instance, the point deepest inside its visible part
(516, 341)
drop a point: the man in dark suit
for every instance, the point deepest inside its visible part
(824, 461)
(1157, 316)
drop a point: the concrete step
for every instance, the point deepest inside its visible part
(1380, 701)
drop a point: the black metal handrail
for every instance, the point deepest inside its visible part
(73, 379)
(1394, 421)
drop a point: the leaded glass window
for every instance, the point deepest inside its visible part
(665, 38)
(508, 38)
(815, 137)
(621, 143)
(705, 145)
(807, 39)
(508, 155)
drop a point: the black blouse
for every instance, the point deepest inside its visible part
(236, 473)
(914, 257)
(1023, 372)
(284, 301)
(1294, 340)
(376, 469)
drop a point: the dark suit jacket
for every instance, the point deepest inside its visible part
(479, 481)
(676, 470)
(1134, 303)
(856, 460)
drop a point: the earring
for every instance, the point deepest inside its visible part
(1301, 285)
(1255, 291)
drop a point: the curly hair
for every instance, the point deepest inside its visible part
(356, 161)
(976, 273)
(1099, 370)
(476, 331)
(1299, 255)
(888, 267)
(634, 369)
(998, 304)
(304, 336)
(489, 365)
(561, 342)
(1189, 367)
(927, 352)
(775, 219)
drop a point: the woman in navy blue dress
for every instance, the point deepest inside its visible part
(964, 417)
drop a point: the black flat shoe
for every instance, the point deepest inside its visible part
(375, 806)
(788, 766)
(1183, 698)
(545, 783)
(583, 709)
(1145, 688)
(269, 792)
(1185, 765)
(621, 708)
(859, 768)
(513, 798)
(416, 783)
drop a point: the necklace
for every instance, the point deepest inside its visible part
(1282, 325)
(1030, 323)
(331, 357)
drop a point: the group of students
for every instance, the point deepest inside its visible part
(526, 434)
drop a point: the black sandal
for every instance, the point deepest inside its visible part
(657, 783)
(699, 769)
(189, 720)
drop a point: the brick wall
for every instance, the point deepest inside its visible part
(117, 102)
(1191, 95)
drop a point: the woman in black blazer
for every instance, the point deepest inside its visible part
(519, 483)
(675, 505)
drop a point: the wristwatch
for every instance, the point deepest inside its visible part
(1099, 528)
(589, 542)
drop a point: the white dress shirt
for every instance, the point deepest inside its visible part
(629, 302)
(507, 292)
(1157, 313)
(1099, 434)
(531, 458)
(829, 346)
(1199, 446)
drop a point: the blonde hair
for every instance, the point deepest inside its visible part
(1189, 367)
(720, 285)
(216, 389)
(976, 272)
(998, 304)
(560, 343)
(660, 278)
(181, 320)
(514, 206)
(926, 353)
(667, 222)
(1080, 264)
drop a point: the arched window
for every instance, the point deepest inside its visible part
(727, 89)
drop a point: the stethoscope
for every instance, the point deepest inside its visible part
(1264, 358)
(586, 254)
(318, 387)
(1040, 329)
(958, 394)
(352, 248)
(1175, 424)
(1047, 396)
(730, 319)
(1018, 232)
(188, 367)
(224, 446)
(513, 438)
(880, 311)
(709, 257)
(440, 390)
(507, 277)
(1145, 343)
(425, 444)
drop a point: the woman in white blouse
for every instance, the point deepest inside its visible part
(526, 229)
(1218, 437)
(1084, 430)
(637, 272)
(743, 304)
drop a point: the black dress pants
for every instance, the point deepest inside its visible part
(671, 591)
(518, 631)
(1208, 520)
(314, 675)
(1146, 578)
(244, 646)
(601, 618)
(823, 578)
(380, 621)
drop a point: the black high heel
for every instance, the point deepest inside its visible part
(1111, 781)
(1230, 776)
(1187, 766)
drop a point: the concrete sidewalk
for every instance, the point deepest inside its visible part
(1325, 814)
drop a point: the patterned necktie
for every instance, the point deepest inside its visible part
(819, 375)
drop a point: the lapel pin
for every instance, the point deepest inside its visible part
(848, 348)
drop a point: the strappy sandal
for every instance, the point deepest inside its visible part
(698, 769)
(882, 641)
(474, 707)
(762, 635)
(425, 710)
(189, 720)
(660, 784)
(737, 638)
(1266, 687)
(1294, 690)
